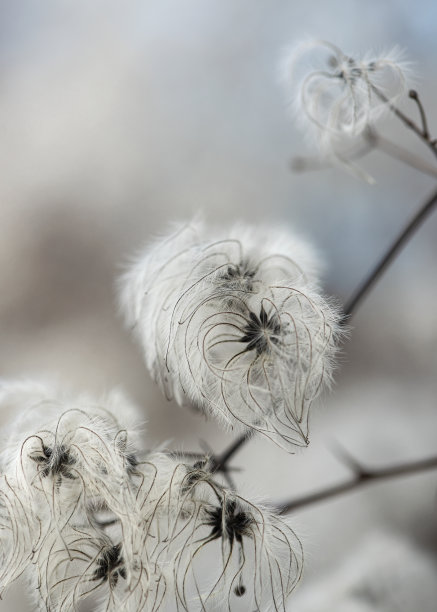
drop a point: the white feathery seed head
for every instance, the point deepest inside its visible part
(209, 548)
(64, 459)
(67, 444)
(239, 326)
(336, 96)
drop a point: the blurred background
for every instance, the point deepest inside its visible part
(119, 117)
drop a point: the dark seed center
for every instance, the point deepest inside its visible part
(260, 331)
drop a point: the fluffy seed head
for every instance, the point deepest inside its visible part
(336, 96)
(239, 326)
(225, 551)
(64, 458)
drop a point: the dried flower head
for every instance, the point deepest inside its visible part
(63, 460)
(173, 537)
(239, 325)
(209, 548)
(336, 96)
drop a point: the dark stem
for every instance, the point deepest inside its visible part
(409, 123)
(364, 288)
(221, 461)
(362, 477)
(415, 96)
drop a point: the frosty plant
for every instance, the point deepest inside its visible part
(233, 321)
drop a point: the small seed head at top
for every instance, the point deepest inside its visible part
(336, 96)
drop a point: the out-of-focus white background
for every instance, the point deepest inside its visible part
(119, 117)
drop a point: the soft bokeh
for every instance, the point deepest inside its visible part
(119, 117)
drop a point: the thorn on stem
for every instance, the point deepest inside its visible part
(349, 461)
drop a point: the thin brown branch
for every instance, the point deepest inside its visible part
(409, 123)
(362, 477)
(220, 462)
(364, 288)
(415, 96)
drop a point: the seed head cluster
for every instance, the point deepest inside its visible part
(87, 515)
